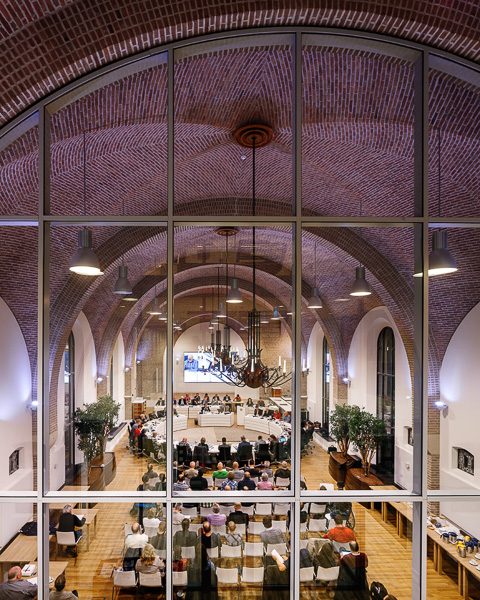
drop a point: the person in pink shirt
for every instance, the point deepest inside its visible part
(215, 517)
(264, 484)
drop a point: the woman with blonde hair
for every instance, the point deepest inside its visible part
(149, 561)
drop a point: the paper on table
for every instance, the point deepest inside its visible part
(80, 517)
(276, 555)
(34, 580)
(29, 570)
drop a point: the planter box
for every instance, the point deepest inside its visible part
(338, 465)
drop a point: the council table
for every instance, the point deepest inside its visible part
(216, 419)
(179, 423)
(21, 551)
(268, 426)
(55, 568)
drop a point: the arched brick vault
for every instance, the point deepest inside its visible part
(47, 47)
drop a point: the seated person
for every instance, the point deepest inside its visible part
(252, 469)
(151, 520)
(339, 533)
(177, 516)
(220, 473)
(191, 471)
(283, 472)
(325, 557)
(208, 538)
(149, 561)
(205, 408)
(250, 402)
(159, 541)
(267, 469)
(246, 483)
(238, 516)
(185, 537)
(277, 415)
(145, 485)
(232, 538)
(150, 472)
(276, 584)
(271, 535)
(16, 588)
(216, 517)
(287, 417)
(182, 401)
(199, 483)
(181, 485)
(264, 483)
(238, 473)
(237, 398)
(215, 399)
(230, 483)
(136, 539)
(67, 522)
(352, 576)
(258, 412)
(222, 408)
(59, 593)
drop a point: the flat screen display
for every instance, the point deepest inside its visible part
(195, 369)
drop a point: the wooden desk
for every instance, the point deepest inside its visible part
(90, 517)
(21, 551)
(383, 488)
(54, 570)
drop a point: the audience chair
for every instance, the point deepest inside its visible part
(161, 553)
(281, 509)
(231, 551)
(280, 548)
(128, 529)
(317, 524)
(66, 538)
(188, 552)
(149, 580)
(338, 545)
(252, 575)
(220, 529)
(307, 575)
(151, 531)
(226, 510)
(317, 509)
(248, 510)
(303, 543)
(209, 481)
(241, 528)
(227, 576)
(253, 549)
(179, 578)
(263, 508)
(327, 575)
(282, 482)
(217, 483)
(205, 511)
(123, 580)
(212, 552)
(255, 528)
(282, 525)
(191, 511)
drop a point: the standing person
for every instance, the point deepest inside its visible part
(16, 588)
(59, 593)
(67, 522)
(201, 577)
(352, 576)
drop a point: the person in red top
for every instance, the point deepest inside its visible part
(340, 533)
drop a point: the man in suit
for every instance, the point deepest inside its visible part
(16, 588)
(238, 516)
(283, 472)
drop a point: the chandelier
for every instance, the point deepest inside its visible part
(228, 366)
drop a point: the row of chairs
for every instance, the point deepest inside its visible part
(250, 549)
(259, 509)
(134, 580)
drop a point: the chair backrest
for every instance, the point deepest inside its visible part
(161, 553)
(191, 511)
(124, 578)
(253, 549)
(225, 509)
(218, 483)
(317, 509)
(241, 528)
(330, 574)
(245, 452)
(227, 576)
(248, 510)
(220, 529)
(280, 548)
(255, 527)
(151, 531)
(209, 481)
(176, 528)
(188, 552)
(224, 454)
(150, 579)
(212, 552)
(231, 551)
(66, 538)
(317, 524)
(252, 575)
(281, 509)
(306, 574)
(282, 525)
(128, 529)
(338, 545)
(263, 508)
(179, 578)
(303, 544)
(205, 511)
(282, 482)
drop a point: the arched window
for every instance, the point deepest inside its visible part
(386, 400)
(325, 385)
(69, 380)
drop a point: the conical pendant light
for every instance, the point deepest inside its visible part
(315, 301)
(122, 285)
(163, 314)
(275, 315)
(85, 261)
(440, 260)
(360, 286)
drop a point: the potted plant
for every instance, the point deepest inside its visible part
(92, 424)
(340, 426)
(366, 432)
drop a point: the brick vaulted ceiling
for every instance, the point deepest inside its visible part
(357, 151)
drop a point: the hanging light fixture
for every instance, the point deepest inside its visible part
(163, 314)
(290, 310)
(85, 261)
(275, 315)
(440, 259)
(360, 286)
(122, 285)
(155, 308)
(315, 301)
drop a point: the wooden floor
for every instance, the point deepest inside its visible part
(390, 558)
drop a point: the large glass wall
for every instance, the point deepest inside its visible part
(182, 433)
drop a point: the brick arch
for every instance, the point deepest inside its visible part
(71, 51)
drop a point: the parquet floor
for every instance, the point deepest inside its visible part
(389, 556)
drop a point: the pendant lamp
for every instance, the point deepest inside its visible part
(360, 286)
(85, 261)
(122, 285)
(440, 259)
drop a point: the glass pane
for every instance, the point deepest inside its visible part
(18, 357)
(452, 551)
(19, 171)
(102, 340)
(453, 366)
(341, 541)
(108, 148)
(357, 151)
(454, 140)
(102, 548)
(370, 373)
(226, 411)
(223, 546)
(221, 87)
(18, 539)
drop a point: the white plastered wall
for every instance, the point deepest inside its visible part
(119, 375)
(15, 421)
(362, 371)
(315, 375)
(459, 424)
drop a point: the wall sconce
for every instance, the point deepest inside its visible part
(347, 381)
(33, 405)
(305, 369)
(442, 407)
(138, 362)
(99, 379)
(127, 369)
